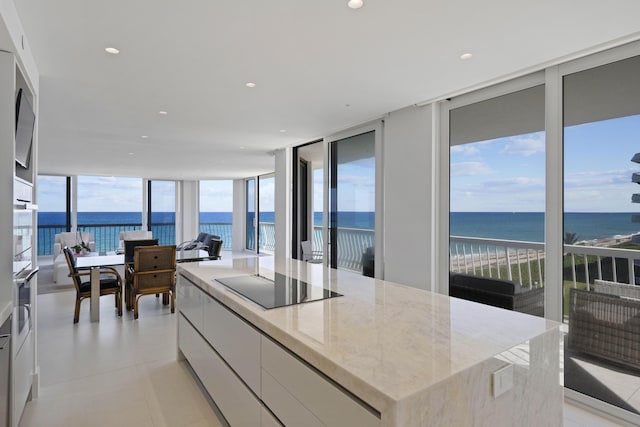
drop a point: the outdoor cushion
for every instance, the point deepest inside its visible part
(500, 286)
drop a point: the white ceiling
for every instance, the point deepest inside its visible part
(319, 67)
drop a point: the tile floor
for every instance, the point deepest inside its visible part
(118, 372)
(121, 372)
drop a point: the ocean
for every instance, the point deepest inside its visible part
(525, 226)
(529, 226)
(106, 226)
(362, 220)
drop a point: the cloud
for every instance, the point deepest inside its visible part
(472, 148)
(466, 149)
(470, 169)
(216, 196)
(515, 186)
(599, 180)
(509, 194)
(524, 146)
(357, 180)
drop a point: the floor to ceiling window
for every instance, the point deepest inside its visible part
(266, 213)
(497, 199)
(162, 211)
(601, 119)
(54, 210)
(352, 203)
(216, 209)
(108, 205)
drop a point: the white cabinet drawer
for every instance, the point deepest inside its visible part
(284, 405)
(328, 403)
(190, 301)
(236, 341)
(239, 406)
(22, 376)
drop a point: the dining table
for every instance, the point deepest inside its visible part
(95, 261)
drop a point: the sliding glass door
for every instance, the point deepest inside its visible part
(352, 203)
(601, 119)
(497, 197)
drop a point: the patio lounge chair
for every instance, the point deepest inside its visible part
(605, 322)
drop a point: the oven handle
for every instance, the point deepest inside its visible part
(28, 277)
(25, 206)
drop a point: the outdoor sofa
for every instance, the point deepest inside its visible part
(501, 293)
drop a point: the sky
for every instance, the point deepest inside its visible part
(508, 174)
(117, 194)
(500, 175)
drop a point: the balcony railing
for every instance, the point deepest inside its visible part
(222, 229)
(352, 243)
(107, 236)
(524, 261)
(267, 236)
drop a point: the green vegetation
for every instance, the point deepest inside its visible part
(571, 238)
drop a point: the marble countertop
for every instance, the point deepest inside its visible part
(382, 341)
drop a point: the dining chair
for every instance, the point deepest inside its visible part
(111, 285)
(129, 246)
(153, 272)
(215, 248)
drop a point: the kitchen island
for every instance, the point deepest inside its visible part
(381, 354)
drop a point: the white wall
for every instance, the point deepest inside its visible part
(7, 129)
(189, 203)
(408, 197)
(283, 174)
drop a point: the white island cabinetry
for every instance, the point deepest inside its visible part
(382, 354)
(252, 379)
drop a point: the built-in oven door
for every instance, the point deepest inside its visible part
(22, 238)
(22, 305)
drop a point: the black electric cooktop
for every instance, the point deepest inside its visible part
(280, 292)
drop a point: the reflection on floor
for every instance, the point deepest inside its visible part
(611, 383)
(121, 372)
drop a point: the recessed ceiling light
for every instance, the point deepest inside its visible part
(283, 130)
(112, 50)
(131, 154)
(466, 56)
(355, 4)
(164, 113)
(250, 84)
(242, 147)
(144, 136)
